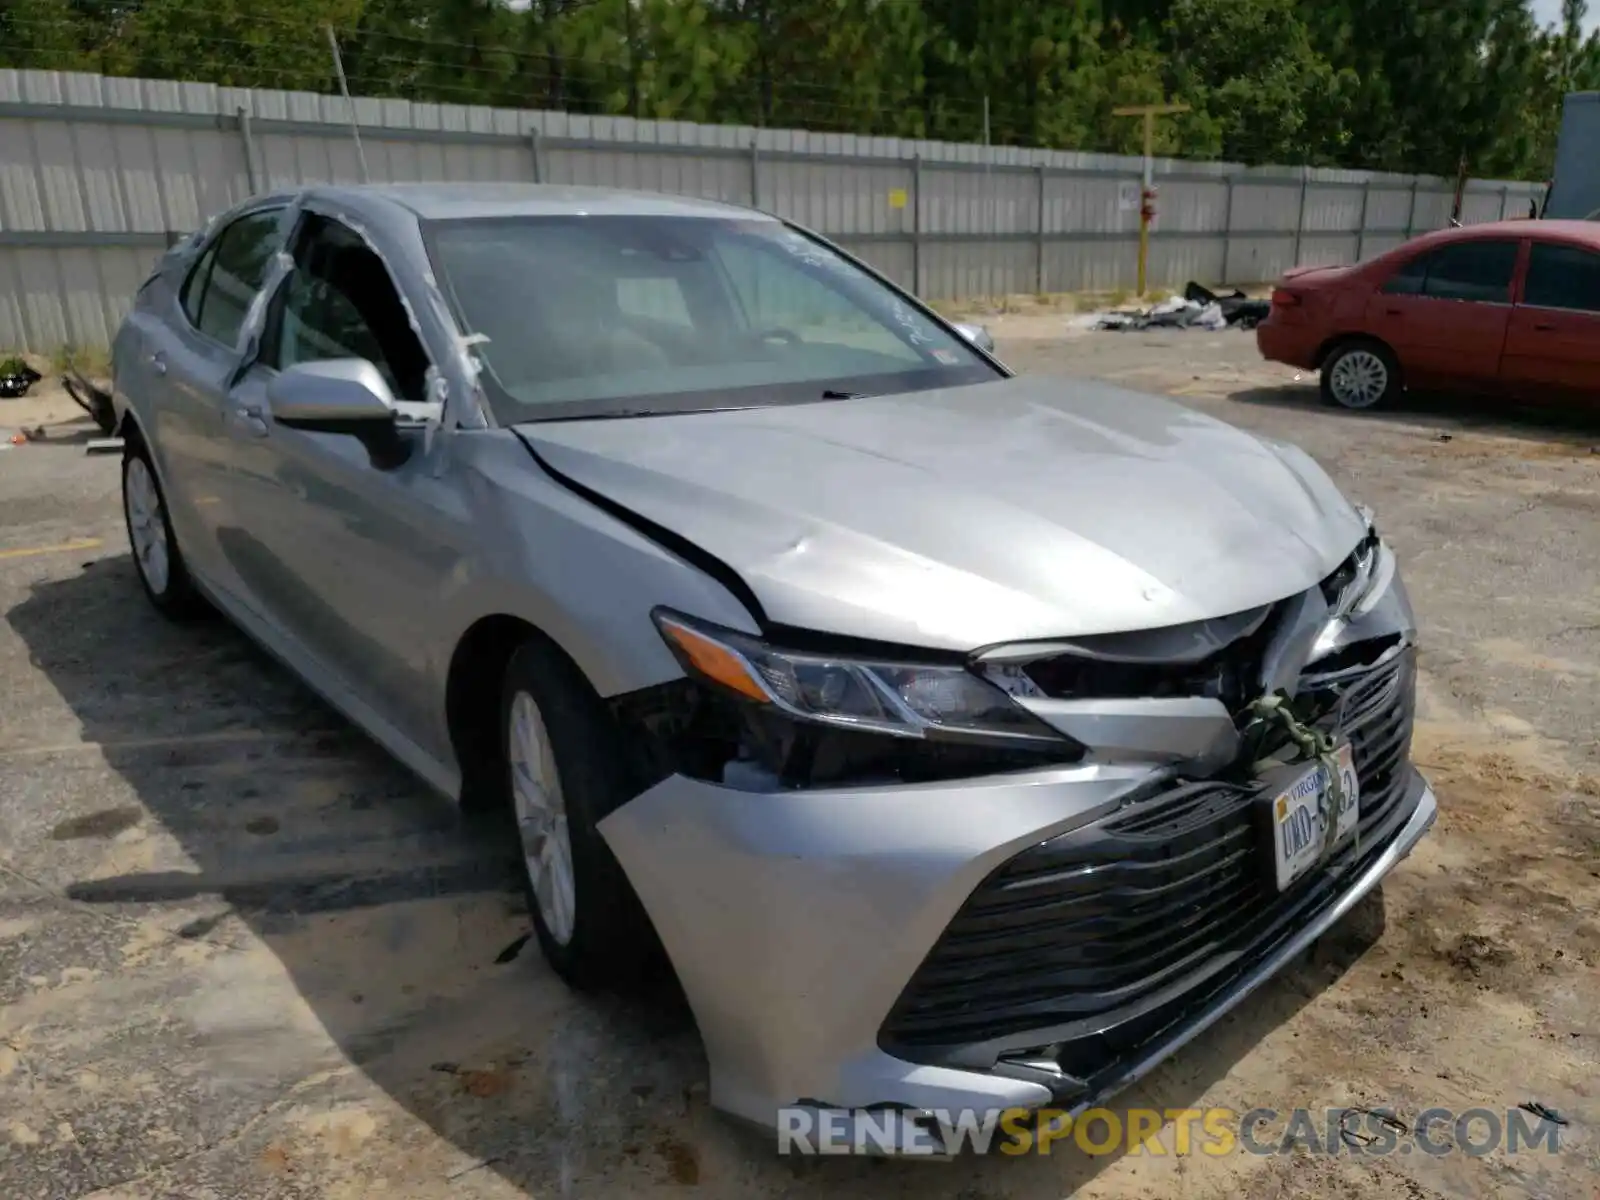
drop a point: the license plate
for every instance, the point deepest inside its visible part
(1300, 813)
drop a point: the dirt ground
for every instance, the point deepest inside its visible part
(243, 955)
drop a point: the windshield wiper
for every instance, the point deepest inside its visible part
(835, 394)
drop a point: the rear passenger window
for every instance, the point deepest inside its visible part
(230, 274)
(1408, 280)
(1478, 271)
(194, 287)
(1563, 277)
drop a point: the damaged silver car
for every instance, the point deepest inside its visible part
(960, 740)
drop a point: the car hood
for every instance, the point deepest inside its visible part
(1026, 508)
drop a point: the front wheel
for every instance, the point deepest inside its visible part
(565, 774)
(162, 571)
(1361, 375)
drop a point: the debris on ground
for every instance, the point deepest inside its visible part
(93, 400)
(1198, 308)
(1237, 309)
(16, 377)
(1542, 1110)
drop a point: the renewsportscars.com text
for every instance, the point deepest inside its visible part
(1210, 1131)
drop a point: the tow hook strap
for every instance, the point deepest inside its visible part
(1313, 745)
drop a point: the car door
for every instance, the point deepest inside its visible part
(191, 351)
(347, 555)
(1445, 313)
(1553, 345)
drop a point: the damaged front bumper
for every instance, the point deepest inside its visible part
(849, 948)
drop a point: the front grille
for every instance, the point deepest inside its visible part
(1104, 927)
(1112, 666)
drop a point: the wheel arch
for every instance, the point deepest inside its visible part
(129, 429)
(472, 695)
(472, 701)
(1339, 340)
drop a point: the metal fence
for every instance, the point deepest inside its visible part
(99, 174)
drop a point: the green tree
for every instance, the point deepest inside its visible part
(239, 43)
(1260, 89)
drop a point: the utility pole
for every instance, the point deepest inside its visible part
(988, 200)
(1147, 195)
(344, 87)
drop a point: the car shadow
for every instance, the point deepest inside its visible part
(397, 922)
(1448, 413)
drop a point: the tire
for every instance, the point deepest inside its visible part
(162, 571)
(1361, 375)
(589, 922)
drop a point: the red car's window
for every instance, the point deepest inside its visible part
(1563, 277)
(1478, 271)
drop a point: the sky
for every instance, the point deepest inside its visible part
(1548, 12)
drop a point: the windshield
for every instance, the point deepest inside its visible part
(582, 316)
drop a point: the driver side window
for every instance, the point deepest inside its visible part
(340, 302)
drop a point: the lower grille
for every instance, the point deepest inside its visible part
(1104, 927)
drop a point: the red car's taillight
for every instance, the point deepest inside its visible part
(1282, 298)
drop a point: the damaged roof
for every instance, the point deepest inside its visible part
(446, 201)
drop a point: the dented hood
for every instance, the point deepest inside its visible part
(1026, 508)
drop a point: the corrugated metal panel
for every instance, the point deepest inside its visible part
(1260, 259)
(1175, 262)
(1259, 207)
(1388, 208)
(1330, 210)
(90, 155)
(1326, 249)
(893, 259)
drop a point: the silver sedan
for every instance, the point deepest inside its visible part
(961, 741)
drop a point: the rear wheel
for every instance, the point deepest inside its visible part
(162, 571)
(1361, 375)
(565, 773)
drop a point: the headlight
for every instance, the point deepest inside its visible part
(906, 700)
(1356, 588)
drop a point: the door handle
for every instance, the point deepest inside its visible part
(158, 363)
(249, 421)
(1394, 312)
(1544, 328)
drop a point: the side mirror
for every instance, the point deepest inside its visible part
(978, 336)
(340, 395)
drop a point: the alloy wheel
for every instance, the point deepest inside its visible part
(1359, 379)
(147, 526)
(541, 814)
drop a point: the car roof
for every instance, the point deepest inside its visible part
(455, 201)
(1587, 232)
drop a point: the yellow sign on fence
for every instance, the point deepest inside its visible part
(897, 197)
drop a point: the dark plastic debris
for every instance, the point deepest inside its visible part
(92, 400)
(1237, 308)
(514, 949)
(17, 381)
(1542, 1110)
(1200, 308)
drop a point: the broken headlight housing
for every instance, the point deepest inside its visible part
(904, 700)
(1355, 588)
(814, 718)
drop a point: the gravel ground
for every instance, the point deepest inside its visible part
(243, 955)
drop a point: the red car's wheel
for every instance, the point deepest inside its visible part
(1361, 375)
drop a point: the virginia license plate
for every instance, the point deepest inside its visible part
(1300, 813)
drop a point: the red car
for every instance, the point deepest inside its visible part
(1510, 309)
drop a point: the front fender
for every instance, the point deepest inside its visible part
(580, 575)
